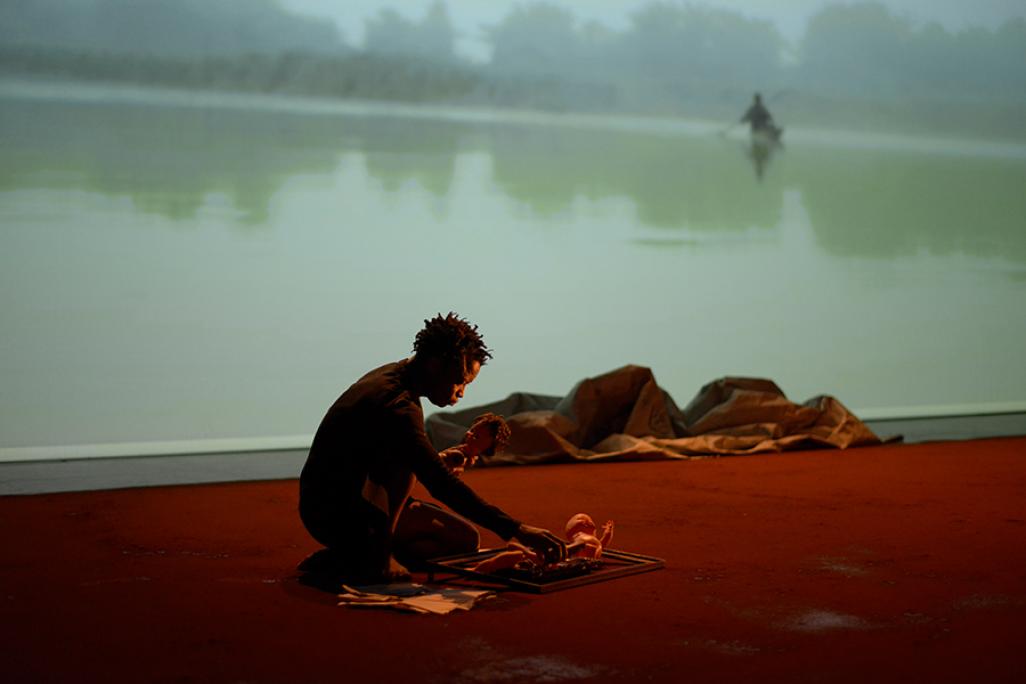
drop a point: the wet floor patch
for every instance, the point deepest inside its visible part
(984, 601)
(114, 580)
(824, 621)
(842, 566)
(540, 668)
(913, 618)
(732, 648)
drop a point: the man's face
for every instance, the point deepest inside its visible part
(450, 381)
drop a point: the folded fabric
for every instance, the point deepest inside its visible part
(624, 414)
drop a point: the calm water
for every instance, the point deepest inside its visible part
(171, 272)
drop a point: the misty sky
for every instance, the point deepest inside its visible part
(790, 15)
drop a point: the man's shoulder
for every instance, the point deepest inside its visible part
(379, 390)
(389, 372)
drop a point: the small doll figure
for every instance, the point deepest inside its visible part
(580, 533)
(486, 435)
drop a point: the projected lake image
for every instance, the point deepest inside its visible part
(181, 269)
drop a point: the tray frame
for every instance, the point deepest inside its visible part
(623, 564)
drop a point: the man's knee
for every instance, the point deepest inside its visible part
(465, 536)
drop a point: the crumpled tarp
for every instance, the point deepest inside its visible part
(624, 414)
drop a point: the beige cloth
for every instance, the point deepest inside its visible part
(624, 414)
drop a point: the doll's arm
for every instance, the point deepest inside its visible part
(607, 533)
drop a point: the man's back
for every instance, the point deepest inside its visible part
(368, 448)
(361, 423)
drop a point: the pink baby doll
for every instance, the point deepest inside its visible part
(580, 535)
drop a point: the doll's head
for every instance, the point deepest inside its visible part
(578, 524)
(487, 434)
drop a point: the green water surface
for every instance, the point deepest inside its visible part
(176, 269)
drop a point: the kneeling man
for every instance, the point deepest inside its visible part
(370, 446)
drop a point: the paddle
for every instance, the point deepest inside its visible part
(726, 130)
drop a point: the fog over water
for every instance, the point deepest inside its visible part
(472, 17)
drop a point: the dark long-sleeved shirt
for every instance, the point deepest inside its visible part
(370, 446)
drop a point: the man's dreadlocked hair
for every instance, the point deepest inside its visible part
(450, 338)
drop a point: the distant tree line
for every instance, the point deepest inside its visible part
(168, 28)
(390, 33)
(357, 75)
(854, 49)
(863, 47)
(854, 60)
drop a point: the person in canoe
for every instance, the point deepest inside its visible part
(763, 129)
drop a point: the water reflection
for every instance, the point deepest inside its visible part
(674, 183)
(166, 160)
(399, 150)
(874, 203)
(894, 204)
(760, 151)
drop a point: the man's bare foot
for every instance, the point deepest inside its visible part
(396, 572)
(393, 573)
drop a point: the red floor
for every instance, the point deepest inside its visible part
(893, 563)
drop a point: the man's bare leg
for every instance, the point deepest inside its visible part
(355, 557)
(425, 531)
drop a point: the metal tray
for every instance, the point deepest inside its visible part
(614, 564)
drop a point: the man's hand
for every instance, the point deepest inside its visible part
(547, 545)
(454, 460)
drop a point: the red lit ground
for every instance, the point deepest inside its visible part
(892, 563)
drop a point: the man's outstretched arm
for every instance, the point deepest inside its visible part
(445, 486)
(544, 543)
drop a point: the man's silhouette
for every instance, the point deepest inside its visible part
(369, 449)
(759, 118)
